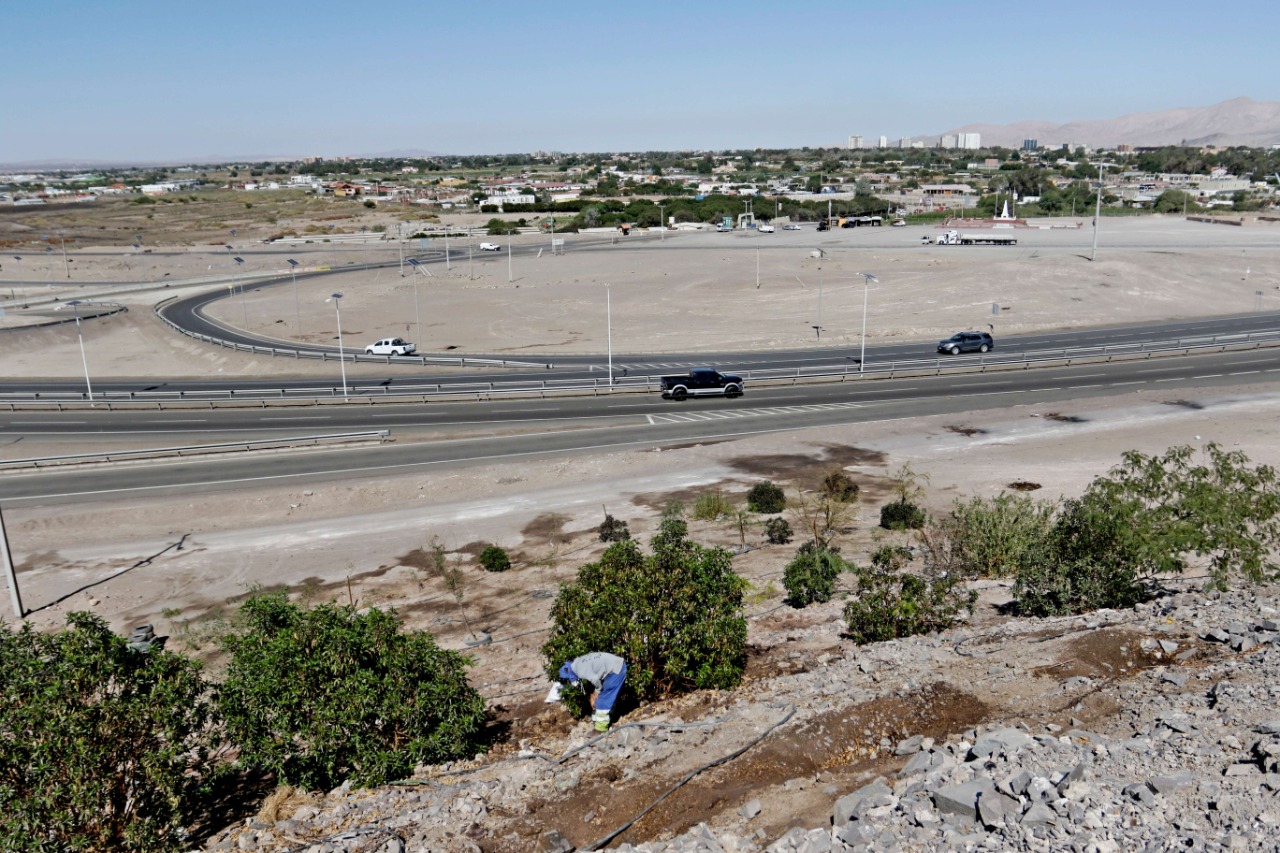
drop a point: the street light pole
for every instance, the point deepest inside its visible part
(1097, 212)
(867, 278)
(297, 308)
(662, 223)
(608, 307)
(76, 303)
(342, 359)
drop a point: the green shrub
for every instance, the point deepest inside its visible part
(319, 695)
(811, 575)
(614, 530)
(675, 616)
(891, 603)
(494, 559)
(673, 509)
(901, 515)
(710, 506)
(101, 747)
(766, 498)
(838, 486)
(777, 531)
(989, 537)
(1146, 518)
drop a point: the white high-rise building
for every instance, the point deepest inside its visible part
(884, 142)
(855, 142)
(948, 141)
(970, 141)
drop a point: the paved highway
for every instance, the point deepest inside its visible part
(439, 435)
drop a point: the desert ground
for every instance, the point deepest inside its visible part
(182, 564)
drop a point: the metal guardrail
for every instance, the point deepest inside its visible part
(188, 450)
(352, 356)
(371, 394)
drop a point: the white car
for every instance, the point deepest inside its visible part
(765, 229)
(490, 247)
(390, 346)
(792, 227)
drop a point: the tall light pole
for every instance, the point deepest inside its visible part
(342, 359)
(510, 278)
(662, 223)
(608, 308)
(297, 309)
(447, 264)
(1097, 212)
(62, 238)
(76, 303)
(240, 263)
(417, 267)
(867, 278)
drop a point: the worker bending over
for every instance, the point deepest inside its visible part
(603, 671)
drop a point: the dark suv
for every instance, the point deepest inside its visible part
(967, 342)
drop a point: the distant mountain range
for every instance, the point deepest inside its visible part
(1240, 121)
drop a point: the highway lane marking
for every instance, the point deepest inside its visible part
(1244, 373)
(47, 423)
(1210, 376)
(302, 418)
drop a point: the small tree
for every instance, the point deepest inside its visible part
(821, 518)
(101, 747)
(811, 575)
(494, 559)
(901, 515)
(675, 616)
(316, 696)
(839, 486)
(777, 531)
(890, 603)
(766, 498)
(613, 530)
(709, 506)
(988, 537)
(904, 513)
(453, 579)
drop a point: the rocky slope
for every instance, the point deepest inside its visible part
(1150, 729)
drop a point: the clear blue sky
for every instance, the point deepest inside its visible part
(173, 80)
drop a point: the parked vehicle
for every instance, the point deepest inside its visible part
(966, 342)
(765, 229)
(791, 227)
(390, 346)
(701, 382)
(490, 247)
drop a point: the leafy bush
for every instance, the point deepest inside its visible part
(811, 575)
(777, 531)
(319, 695)
(101, 747)
(494, 559)
(710, 506)
(614, 530)
(767, 498)
(1147, 517)
(989, 537)
(838, 486)
(673, 509)
(675, 616)
(901, 515)
(891, 603)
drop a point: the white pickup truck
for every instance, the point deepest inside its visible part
(390, 346)
(490, 247)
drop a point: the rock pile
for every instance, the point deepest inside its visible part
(1188, 757)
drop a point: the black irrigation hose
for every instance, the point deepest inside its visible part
(596, 845)
(349, 833)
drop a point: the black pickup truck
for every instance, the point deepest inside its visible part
(701, 382)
